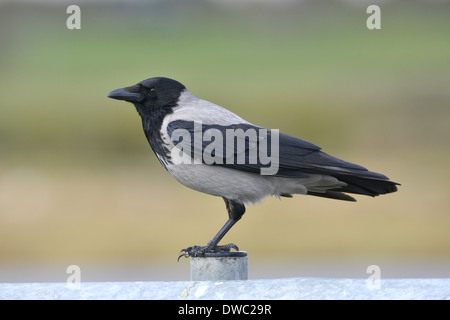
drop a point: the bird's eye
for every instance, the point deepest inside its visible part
(143, 89)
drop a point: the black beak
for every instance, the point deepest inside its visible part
(124, 94)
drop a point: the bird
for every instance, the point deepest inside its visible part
(212, 150)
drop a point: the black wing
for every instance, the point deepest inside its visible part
(297, 158)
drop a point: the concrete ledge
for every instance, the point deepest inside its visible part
(290, 288)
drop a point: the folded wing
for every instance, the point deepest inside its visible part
(235, 146)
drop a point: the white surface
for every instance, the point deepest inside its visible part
(291, 288)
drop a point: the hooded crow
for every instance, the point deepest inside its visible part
(212, 150)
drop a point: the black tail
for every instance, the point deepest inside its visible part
(367, 186)
(358, 185)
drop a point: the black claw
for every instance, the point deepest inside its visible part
(198, 251)
(183, 253)
(193, 251)
(225, 248)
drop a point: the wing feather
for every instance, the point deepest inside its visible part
(297, 158)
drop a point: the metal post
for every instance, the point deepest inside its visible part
(220, 266)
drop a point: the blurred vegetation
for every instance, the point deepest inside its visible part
(79, 181)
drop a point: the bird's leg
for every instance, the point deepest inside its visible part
(235, 211)
(197, 251)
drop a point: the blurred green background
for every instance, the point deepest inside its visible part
(80, 185)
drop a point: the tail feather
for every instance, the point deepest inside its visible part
(357, 185)
(332, 195)
(366, 186)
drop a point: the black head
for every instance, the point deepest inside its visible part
(151, 94)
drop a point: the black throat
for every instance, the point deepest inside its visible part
(152, 122)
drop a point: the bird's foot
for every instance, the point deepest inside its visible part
(200, 251)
